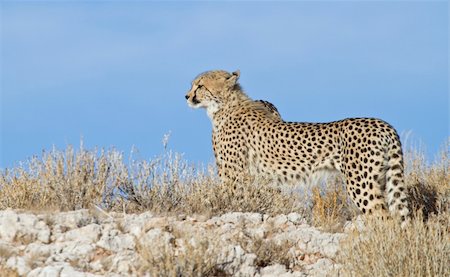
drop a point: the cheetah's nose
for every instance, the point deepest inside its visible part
(187, 97)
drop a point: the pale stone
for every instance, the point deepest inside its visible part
(296, 218)
(22, 228)
(253, 218)
(357, 224)
(273, 270)
(233, 218)
(19, 264)
(81, 242)
(116, 242)
(47, 271)
(88, 234)
(69, 271)
(279, 220)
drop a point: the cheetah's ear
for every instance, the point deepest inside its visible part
(232, 80)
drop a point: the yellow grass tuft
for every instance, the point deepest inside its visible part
(385, 249)
(187, 254)
(330, 206)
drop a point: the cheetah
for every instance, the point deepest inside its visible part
(250, 137)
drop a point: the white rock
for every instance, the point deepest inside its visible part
(122, 264)
(134, 224)
(70, 251)
(331, 247)
(157, 236)
(69, 271)
(37, 250)
(279, 220)
(47, 271)
(22, 228)
(234, 217)
(116, 242)
(323, 267)
(87, 234)
(296, 218)
(257, 232)
(355, 225)
(273, 270)
(60, 270)
(19, 264)
(73, 219)
(108, 247)
(253, 218)
(234, 258)
(7, 250)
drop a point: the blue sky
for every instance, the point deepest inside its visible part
(116, 73)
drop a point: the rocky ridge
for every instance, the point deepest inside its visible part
(95, 243)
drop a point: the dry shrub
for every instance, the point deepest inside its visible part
(428, 190)
(243, 196)
(428, 185)
(69, 180)
(170, 185)
(6, 253)
(159, 185)
(330, 206)
(188, 254)
(385, 249)
(62, 180)
(8, 272)
(420, 249)
(269, 252)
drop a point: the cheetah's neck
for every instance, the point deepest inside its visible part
(211, 110)
(217, 113)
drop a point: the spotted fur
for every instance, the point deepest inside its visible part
(250, 138)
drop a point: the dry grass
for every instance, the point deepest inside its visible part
(385, 249)
(428, 185)
(69, 180)
(251, 196)
(180, 250)
(5, 254)
(422, 248)
(8, 272)
(269, 252)
(330, 206)
(187, 254)
(66, 180)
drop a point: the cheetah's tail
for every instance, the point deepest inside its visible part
(395, 187)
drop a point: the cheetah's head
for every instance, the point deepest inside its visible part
(212, 89)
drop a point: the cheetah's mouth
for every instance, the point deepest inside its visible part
(195, 101)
